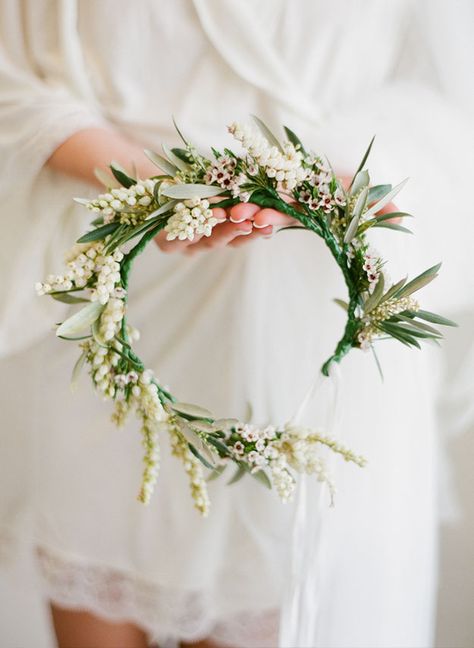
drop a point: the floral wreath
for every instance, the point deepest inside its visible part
(268, 173)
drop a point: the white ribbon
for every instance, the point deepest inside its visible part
(302, 604)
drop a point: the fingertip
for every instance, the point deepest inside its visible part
(243, 211)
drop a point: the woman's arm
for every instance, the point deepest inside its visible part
(87, 149)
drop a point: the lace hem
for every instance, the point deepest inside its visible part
(165, 614)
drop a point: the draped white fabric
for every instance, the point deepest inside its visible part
(233, 327)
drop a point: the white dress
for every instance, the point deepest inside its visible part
(227, 328)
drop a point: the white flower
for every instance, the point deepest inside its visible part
(190, 218)
(285, 166)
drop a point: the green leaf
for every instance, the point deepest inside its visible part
(191, 412)
(204, 427)
(67, 298)
(374, 299)
(356, 214)
(95, 328)
(174, 159)
(226, 424)
(401, 336)
(360, 181)
(434, 318)
(393, 290)
(82, 201)
(122, 176)
(99, 233)
(419, 325)
(294, 139)
(80, 320)
(377, 361)
(237, 476)
(167, 206)
(180, 133)
(377, 192)
(363, 161)
(343, 304)
(384, 217)
(263, 478)
(380, 204)
(418, 282)
(183, 154)
(267, 133)
(187, 191)
(77, 370)
(221, 447)
(414, 330)
(161, 163)
(199, 456)
(104, 178)
(217, 472)
(394, 226)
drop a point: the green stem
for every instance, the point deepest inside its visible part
(321, 229)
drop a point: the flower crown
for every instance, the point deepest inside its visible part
(280, 175)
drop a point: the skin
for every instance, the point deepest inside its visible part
(77, 157)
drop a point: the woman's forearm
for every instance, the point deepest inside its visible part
(85, 150)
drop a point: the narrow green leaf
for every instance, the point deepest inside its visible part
(81, 320)
(363, 161)
(161, 163)
(413, 330)
(393, 290)
(394, 226)
(356, 214)
(217, 472)
(262, 477)
(179, 132)
(122, 176)
(374, 299)
(199, 456)
(99, 233)
(377, 362)
(360, 181)
(174, 159)
(237, 476)
(104, 178)
(187, 191)
(67, 298)
(167, 206)
(294, 139)
(380, 204)
(418, 282)
(401, 336)
(384, 217)
(419, 325)
(377, 192)
(434, 318)
(267, 133)
(77, 370)
(221, 447)
(191, 412)
(183, 154)
(343, 304)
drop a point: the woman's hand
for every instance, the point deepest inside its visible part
(241, 224)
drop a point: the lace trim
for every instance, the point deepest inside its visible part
(163, 613)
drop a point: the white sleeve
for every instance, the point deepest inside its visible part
(37, 113)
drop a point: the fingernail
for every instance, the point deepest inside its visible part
(244, 232)
(234, 220)
(260, 226)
